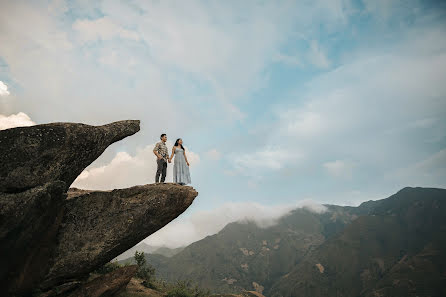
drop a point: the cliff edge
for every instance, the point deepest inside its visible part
(50, 235)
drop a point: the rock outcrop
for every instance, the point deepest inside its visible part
(49, 237)
(135, 288)
(106, 285)
(33, 156)
(99, 225)
(29, 223)
(243, 294)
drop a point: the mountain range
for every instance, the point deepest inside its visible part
(149, 249)
(389, 247)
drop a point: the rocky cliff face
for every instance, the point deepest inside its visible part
(106, 285)
(49, 238)
(97, 226)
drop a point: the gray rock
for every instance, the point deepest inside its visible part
(49, 238)
(99, 225)
(32, 156)
(29, 222)
(107, 285)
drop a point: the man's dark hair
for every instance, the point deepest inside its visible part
(162, 135)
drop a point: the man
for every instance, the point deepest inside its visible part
(162, 155)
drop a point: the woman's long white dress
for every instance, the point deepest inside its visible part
(181, 173)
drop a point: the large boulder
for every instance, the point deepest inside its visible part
(33, 156)
(29, 224)
(243, 294)
(50, 238)
(135, 288)
(100, 225)
(107, 285)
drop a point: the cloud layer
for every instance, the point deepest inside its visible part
(15, 120)
(338, 100)
(3, 89)
(199, 224)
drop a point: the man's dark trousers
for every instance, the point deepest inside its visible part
(161, 170)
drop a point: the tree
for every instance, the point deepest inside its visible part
(146, 272)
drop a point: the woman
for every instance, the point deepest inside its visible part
(181, 165)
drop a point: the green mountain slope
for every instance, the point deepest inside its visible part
(148, 249)
(389, 247)
(380, 254)
(245, 256)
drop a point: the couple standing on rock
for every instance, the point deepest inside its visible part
(180, 166)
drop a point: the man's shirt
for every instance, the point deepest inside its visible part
(161, 148)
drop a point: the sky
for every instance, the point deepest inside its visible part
(280, 104)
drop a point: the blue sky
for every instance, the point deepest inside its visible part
(278, 102)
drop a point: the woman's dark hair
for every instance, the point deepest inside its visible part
(176, 143)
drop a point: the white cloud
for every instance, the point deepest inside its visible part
(270, 159)
(111, 58)
(317, 56)
(351, 109)
(199, 224)
(213, 154)
(125, 170)
(57, 6)
(224, 49)
(312, 206)
(314, 56)
(208, 46)
(303, 123)
(339, 168)
(224, 46)
(423, 123)
(102, 29)
(190, 37)
(3, 89)
(15, 120)
(34, 48)
(382, 9)
(291, 60)
(430, 172)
